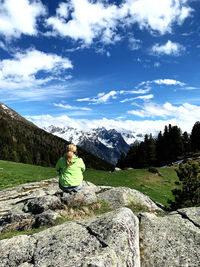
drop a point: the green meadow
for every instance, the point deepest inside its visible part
(157, 187)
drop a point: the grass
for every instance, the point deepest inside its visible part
(13, 174)
(156, 187)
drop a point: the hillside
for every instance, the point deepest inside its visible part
(22, 141)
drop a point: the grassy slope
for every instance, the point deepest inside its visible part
(158, 188)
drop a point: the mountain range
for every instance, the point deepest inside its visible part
(22, 141)
(106, 144)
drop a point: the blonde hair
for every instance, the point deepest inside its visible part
(71, 151)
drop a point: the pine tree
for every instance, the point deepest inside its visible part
(195, 136)
(188, 193)
(122, 161)
(186, 143)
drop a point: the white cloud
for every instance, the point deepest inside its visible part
(140, 91)
(191, 88)
(100, 98)
(86, 20)
(142, 97)
(183, 113)
(158, 15)
(19, 17)
(134, 44)
(168, 82)
(170, 48)
(71, 107)
(21, 71)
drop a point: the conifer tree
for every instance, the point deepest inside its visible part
(188, 193)
(195, 136)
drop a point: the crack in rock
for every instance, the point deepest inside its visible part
(184, 216)
(97, 236)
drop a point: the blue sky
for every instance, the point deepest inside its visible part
(131, 64)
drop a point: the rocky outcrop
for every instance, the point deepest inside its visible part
(111, 239)
(122, 196)
(28, 211)
(172, 240)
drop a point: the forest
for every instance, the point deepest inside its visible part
(167, 147)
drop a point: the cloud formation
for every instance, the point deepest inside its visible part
(20, 17)
(142, 97)
(69, 107)
(182, 113)
(22, 70)
(100, 98)
(170, 49)
(87, 20)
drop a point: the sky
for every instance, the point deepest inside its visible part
(124, 64)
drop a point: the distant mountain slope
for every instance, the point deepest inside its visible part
(22, 141)
(106, 144)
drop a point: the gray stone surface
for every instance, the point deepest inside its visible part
(121, 196)
(170, 241)
(83, 197)
(17, 250)
(46, 217)
(41, 204)
(111, 239)
(192, 214)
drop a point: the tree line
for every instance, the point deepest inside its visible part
(168, 146)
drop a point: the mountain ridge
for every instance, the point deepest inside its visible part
(106, 144)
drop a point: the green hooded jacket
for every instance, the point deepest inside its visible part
(71, 175)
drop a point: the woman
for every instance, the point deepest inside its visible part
(70, 168)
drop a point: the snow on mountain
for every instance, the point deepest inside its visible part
(106, 144)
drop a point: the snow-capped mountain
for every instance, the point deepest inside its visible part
(106, 144)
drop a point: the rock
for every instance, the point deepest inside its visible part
(25, 224)
(12, 196)
(171, 240)
(39, 205)
(17, 250)
(192, 214)
(121, 196)
(108, 240)
(46, 217)
(117, 169)
(83, 197)
(111, 239)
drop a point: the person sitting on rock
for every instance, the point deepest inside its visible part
(70, 168)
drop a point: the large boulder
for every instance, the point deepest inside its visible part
(173, 240)
(111, 239)
(122, 196)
